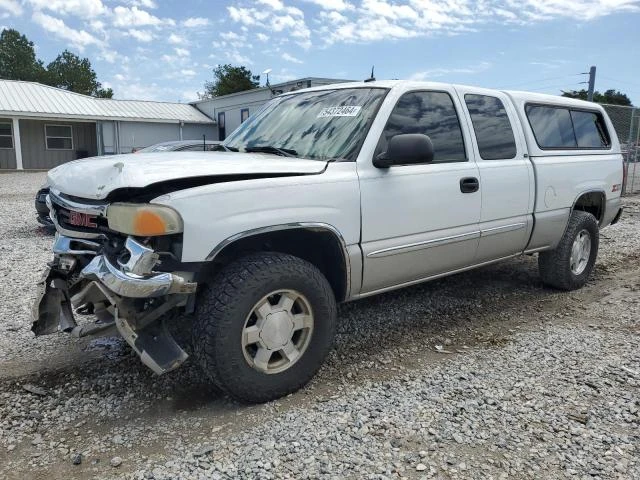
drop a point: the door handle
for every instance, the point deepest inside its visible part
(469, 185)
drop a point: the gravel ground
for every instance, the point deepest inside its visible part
(482, 375)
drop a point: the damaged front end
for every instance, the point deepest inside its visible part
(114, 277)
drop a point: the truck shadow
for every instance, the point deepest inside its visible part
(371, 329)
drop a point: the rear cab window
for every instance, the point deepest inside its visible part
(565, 128)
(491, 126)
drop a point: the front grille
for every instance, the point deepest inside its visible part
(64, 215)
(82, 219)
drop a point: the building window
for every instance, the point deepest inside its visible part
(222, 133)
(58, 137)
(244, 115)
(6, 136)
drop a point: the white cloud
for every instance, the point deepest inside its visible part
(120, 77)
(79, 39)
(443, 72)
(108, 56)
(140, 35)
(80, 8)
(187, 73)
(176, 39)
(142, 3)
(262, 37)
(290, 58)
(289, 21)
(182, 52)
(12, 6)
(237, 58)
(336, 5)
(135, 17)
(195, 22)
(374, 20)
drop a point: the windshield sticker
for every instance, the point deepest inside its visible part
(343, 111)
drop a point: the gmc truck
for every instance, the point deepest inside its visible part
(326, 195)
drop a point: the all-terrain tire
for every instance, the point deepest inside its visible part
(222, 310)
(554, 265)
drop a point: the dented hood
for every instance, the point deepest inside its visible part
(96, 177)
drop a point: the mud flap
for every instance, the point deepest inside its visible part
(155, 345)
(52, 307)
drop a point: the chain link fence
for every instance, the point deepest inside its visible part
(626, 121)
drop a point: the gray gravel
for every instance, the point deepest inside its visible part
(481, 375)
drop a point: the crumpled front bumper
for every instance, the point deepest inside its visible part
(110, 290)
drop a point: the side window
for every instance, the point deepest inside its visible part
(6, 135)
(590, 129)
(551, 126)
(492, 127)
(432, 114)
(58, 137)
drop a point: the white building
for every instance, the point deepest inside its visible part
(42, 126)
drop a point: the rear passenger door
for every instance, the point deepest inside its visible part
(506, 173)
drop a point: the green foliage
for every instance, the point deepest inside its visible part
(18, 57)
(18, 62)
(75, 74)
(611, 96)
(229, 79)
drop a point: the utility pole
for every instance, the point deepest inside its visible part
(592, 82)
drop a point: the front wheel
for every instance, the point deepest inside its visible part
(264, 326)
(568, 266)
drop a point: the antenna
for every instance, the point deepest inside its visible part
(371, 78)
(267, 72)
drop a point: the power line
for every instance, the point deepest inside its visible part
(620, 81)
(551, 86)
(540, 80)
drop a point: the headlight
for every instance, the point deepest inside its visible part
(143, 220)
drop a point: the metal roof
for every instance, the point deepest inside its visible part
(31, 99)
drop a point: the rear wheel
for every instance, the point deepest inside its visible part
(568, 266)
(264, 326)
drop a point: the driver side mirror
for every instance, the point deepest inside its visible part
(406, 149)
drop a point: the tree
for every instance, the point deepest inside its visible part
(611, 96)
(75, 74)
(18, 58)
(229, 79)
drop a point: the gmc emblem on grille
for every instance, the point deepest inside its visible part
(82, 219)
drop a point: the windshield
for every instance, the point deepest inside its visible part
(321, 125)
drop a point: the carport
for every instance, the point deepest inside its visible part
(42, 126)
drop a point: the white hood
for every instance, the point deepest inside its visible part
(96, 177)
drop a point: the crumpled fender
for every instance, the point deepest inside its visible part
(52, 309)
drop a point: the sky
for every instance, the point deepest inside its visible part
(167, 49)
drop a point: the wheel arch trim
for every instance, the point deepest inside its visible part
(599, 191)
(314, 226)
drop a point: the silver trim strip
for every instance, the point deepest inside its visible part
(502, 229)
(70, 246)
(291, 226)
(432, 277)
(98, 209)
(424, 244)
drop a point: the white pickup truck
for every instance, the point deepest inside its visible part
(326, 195)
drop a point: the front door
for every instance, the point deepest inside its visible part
(420, 220)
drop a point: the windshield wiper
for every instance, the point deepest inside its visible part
(285, 152)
